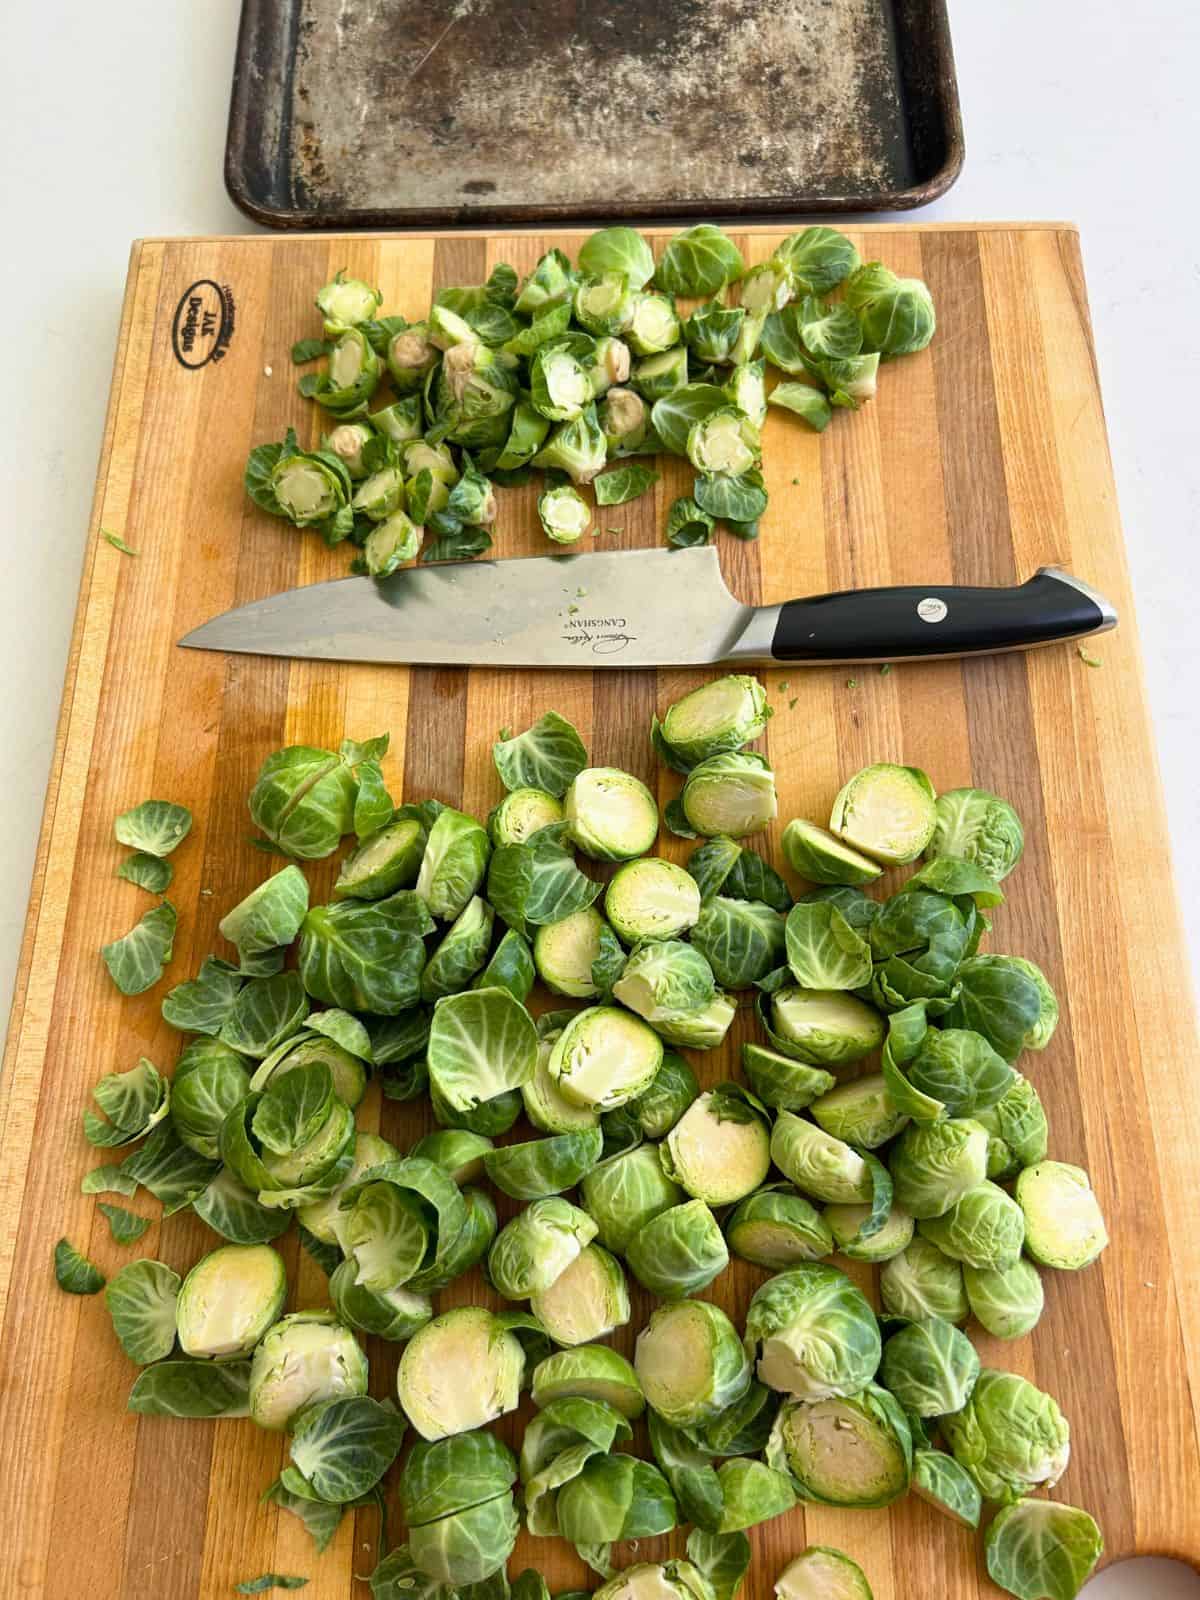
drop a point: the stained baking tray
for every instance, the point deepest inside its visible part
(402, 113)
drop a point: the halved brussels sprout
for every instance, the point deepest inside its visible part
(1064, 1227)
(462, 952)
(721, 715)
(436, 459)
(559, 384)
(974, 825)
(725, 441)
(702, 1029)
(1039, 1550)
(564, 514)
(591, 1372)
(781, 1081)
(821, 1573)
(459, 1152)
(454, 863)
(611, 815)
(305, 1358)
(652, 1580)
(349, 1072)
(210, 1080)
(624, 417)
(664, 979)
(657, 376)
(545, 1105)
(1007, 1301)
(521, 814)
(229, 1299)
(270, 915)
(930, 1366)
(541, 1167)
(1010, 1436)
(690, 1363)
(922, 1282)
(858, 1234)
(605, 304)
(940, 1481)
(887, 812)
(401, 421)
(825, 1027)
(459, 1372)
(731, 794)
(627, 1191)
(985, 1228)
(530, 1251)
(456, 1501)
(776, 1228)
(847, 1450)
(394, 1314)
(564, 953)
(935, 1164)
(821, 857)
(386, 860)
(604, 1057)
(678, 1252)
(652, 899)
(813, 1332)
(588, 1300)
(861, 1112)
(324, 1218)
(817, 1163)
(403, 1222)
(390, 543)
(381, 495)
(720, 1149)
(657, 1109)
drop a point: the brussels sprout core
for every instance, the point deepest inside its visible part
(604, 1057)
(887, 812)
(458, 1372)
(304, 1359)
(612, 816)
(229, 1299)
(623, 418)
(652, 899)
(822, 1574)
(1064, 1227)
(346, 442)
(612, 364)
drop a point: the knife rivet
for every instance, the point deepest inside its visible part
(931, 609)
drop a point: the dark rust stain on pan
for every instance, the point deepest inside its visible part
(389, 113)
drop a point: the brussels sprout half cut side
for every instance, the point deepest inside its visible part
(821, 1573)
(386, 860)
(846, 1450)
(604, 1057)
(611, 815)
(229, 1299)
(521, 814)
(690, 1363)
(886, 812)
(652, 899)
(1064, 1227)
(722, 715)
(304, 1359)
(587, 1301)
(459, 1372)
(825, 1027)
(720, 1149)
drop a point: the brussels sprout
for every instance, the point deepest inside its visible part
(346, 303)
(490, 1117)
(386, 860)
(459, 1152)
(303, 799)
(541, 1167)
(922, 1282)
(558, 383)
(1010, 1436)
(577, 448)
(350, 378)
(589, 1372)
(229, 1299)
(742, 940)
(823, 950)
(1007, 1000)
(614, 1497)
(700, 260)
(702, 1029)
(712, 331)
(469, 1245)
(985, 1228)
(401, 421)
(545, 1105)
(587, 1301)
(521, 813)
(1007, 1301)
(611, 816)
(896, 314)
(848, 1450)
(381, 495)
(604, 1057)
(768, 286)
(669, 1580)
(210, 1079)
(813, 1332)
(930, 1367)
(724, 441)
(539, 1243)
(940, 1481)
(654, 326)
(565, 514)
(652, 899)
(348, 1070)
(454, 863)
(618, 249)
(819, 259)
(304, 1359)
(392, 542)
(859, 1234)
(557, 1444)
(1039, 1550)
(934, 1166)
(459, 1372)
(481, 1044)
(678, 1252)
(625, 418)
(821, 857)
(823, 1027)
(958, 1067)
(456, 1501)
(974, 825)
(611, 364)
(861, 1112)
(141, 1299)
(690, 1363)
(411, 355)
(664, 979)
(462, 952)
(403, 1221)
(731, 794)
(820, 1573)
(605, 303)
(436, 459)
(817, 1163)
(549, 284)
(776, 1227)
(1017, 1130)
(657, 1109)
(270, 915)
(719, 1150)
(394, 1314)
(782, 1082)
(626, 1192)
(565, 952)
(1064, 1227)
(341, 1448)
(472, 500)
(655, 377)
(886, 812)
(324, 1218)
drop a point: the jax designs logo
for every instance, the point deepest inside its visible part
(203, 325)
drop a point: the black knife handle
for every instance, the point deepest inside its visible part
(938, 620)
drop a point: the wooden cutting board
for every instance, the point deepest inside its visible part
(980, 460)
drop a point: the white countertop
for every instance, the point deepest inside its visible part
(115, 128)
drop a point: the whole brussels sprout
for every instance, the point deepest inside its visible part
(1007, 1301)
(930, 1366)
(935, 1164)
(678, 1252)
(1010, 1436)
(977, 826)
(985, 1228)
(922, 1282)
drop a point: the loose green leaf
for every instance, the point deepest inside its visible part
(699, 262)
(548, 756)
(173, 1173)
(135, 963)
(108, 1180)
(622, 484)
(322, 1521)
(373, 804)
(149, 872)
(141, 1302)
(126, 1226)
(305, 350)
(75, 1273)
(117, 542)
(805, 401)
(723, 1558)
(269, 1580)
(203, 1003)
(156, 826)
(186, 1388)
(265, 1013)
(132, 1103)
(735, 499)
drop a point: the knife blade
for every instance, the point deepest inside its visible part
(640, 608)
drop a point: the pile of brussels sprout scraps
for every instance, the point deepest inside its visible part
(575, 372)
(572, 1102)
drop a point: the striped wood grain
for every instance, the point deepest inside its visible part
(980, 459)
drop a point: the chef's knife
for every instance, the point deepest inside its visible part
(641, 608)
